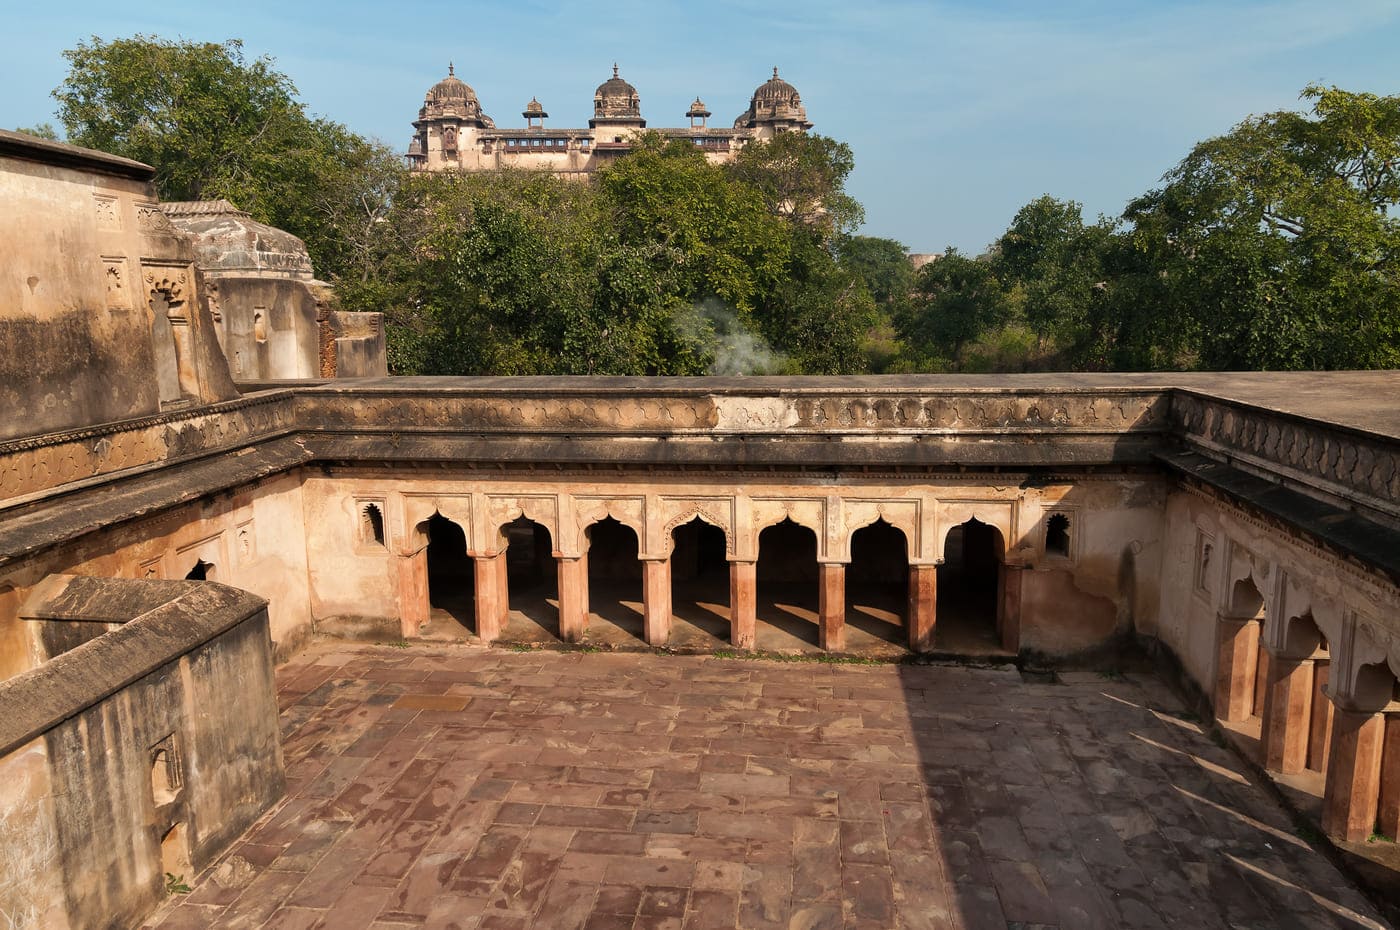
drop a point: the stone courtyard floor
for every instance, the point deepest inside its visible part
(462, 787)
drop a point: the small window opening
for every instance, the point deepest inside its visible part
(372, 524)
(260, 324)
(165, 771)
(1057, 535)
(200, 572)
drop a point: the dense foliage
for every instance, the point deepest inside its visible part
(666, 264)
(1270, 247)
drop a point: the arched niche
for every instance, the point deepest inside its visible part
(997, 514)
(627, 511)
(970, 578)
(416, 509)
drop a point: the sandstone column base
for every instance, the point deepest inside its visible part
(656, 601)
(743, 604)
(832, 606)
(923, 606)
(1353, 776)
(1287, 714)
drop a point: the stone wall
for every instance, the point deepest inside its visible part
(124, 759)
(103, 316)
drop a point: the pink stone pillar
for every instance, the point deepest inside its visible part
(923, 606)
(1238, 650)
(573, 599)
(413, 592)
(1287, 713)
(492, 595)
(1320, 731)
(1011, 576)
(743, 604)
(831, 606)
(656, 601)
(1389, 818)
(1350, 800)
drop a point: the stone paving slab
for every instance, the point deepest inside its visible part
(461, 787)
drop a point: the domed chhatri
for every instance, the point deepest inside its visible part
(616, 102)
(452, 97)
(452, 133)
(775, 105)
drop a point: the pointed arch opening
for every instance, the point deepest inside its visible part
(699, 584)
(614, 583)
(200, 571)
(451, 586)
(877, 587)
(532, 583)
(969, 589)
(788, 597)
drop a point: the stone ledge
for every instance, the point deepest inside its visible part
(38, 700)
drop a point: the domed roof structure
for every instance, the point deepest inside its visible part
(775, 101)
(616, 101)
(451, 97)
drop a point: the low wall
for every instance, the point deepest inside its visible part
(144, 751)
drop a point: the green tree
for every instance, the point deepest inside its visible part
(1277, 241)
(42, 130)
(802, 176)
(956, 300)
(215, 124)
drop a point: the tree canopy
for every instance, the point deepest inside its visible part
(1272, 246)
(215, 124)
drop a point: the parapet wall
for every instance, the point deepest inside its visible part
(125, 759)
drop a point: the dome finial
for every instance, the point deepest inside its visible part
(775, 71)
(452, 71)
(614, 69)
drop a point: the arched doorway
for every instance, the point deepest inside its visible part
(699, 585)
(532, 582)
(614, 583)
(877, 588)
(788, 596)
(969, 589)
(451, 589)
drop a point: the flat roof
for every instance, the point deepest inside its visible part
(48, 152)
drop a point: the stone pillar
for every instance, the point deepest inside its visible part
(413, 592)
(1389, 817)
(656, 601)
(1353, 775)
(573, 599)
(492, 595)
(923, 606)
(1320, 731)
(1287, 713)
(831, 608)
(743, 604)
(1011, 607)
(1238, 651)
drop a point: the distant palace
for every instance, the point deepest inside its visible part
(452, 132)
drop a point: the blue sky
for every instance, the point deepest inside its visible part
(958, 112)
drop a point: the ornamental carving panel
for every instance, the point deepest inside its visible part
(1312, 450)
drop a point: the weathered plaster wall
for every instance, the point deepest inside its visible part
(1347, 603)
(142, 764)
(29, 849)
(269, 328)
(357, 585)
(80, 341)
(253, 539)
